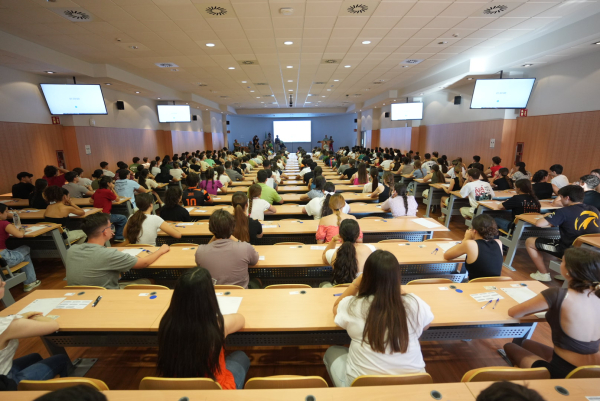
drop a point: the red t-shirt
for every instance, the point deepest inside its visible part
(495, 169)
(3, 234)
(103, 198)
(58, 180)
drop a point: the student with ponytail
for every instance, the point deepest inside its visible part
(502, 181)
(521, 173)
(418, 172)
(400, 203)
(361, 176)
(172, 210)
(142, 227)
(329, 225)
(246, 228)
(374, 184)
(435, 176)
(211, 185)
(349, 259)
(573, 314)
(257, 207)
(524, 201)
(319, 207)
(384, 190)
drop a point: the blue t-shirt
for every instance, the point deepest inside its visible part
(419, 173)
(125, 189)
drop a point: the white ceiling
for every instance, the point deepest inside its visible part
(438, 32)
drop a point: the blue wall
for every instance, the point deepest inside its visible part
(340, 127)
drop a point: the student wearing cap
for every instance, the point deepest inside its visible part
(24, 188)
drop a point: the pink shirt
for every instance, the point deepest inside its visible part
(398, 208)
(210, 186)
(328, 232)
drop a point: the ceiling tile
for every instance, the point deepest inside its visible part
(146, 12)
(393, 9)
(414, 22)
(382, 22)
(504, 23)
(426, 9)
(472, 23)
(351, 22)
(319, 22)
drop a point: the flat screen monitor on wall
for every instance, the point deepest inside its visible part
(293, 131)
(70, 99)
(407, 111)
(502, 93)
(171, 113)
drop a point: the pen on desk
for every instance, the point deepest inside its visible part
(496, 303)
(337, 295)
(96, 301)
(486, 304)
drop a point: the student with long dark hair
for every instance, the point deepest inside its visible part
(384, 190)
(211, 185)
(257, 207)
(456, 183)
(317, 191)
(400, 203)
(36, 199)
(142, 227)
(384, 325)
(484, 253)
(172, 210)
(319, 207)
(521, 173)
(329, 224)
(361, 176)
(349, 259)
(246, 229)
(573, 314)
(524, 201)
(373, 184)
(502, 181)
(192, 332)
(541, 186)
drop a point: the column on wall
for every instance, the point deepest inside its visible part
(376, 128)
(358, 128)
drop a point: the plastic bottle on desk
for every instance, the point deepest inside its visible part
(16, 220)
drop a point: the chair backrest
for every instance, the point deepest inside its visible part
(290, 243)
(228, 287)
(578, 242)
(585, 372)
(61, 382)
(391, 240)
(342, 285)
(280, 286)
(274, 382)
(499, 373)
(391, 380)
(430, 281)
(145, 287)
(373, 218)
(184, 244)
(490, 279)
(164, 383)
(84, 287)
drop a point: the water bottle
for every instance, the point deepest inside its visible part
(16, 220)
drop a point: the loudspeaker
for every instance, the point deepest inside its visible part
(195, 118)
(457, 99)
(387, 115)
(355, 120)
(120, 105)
(227, 122)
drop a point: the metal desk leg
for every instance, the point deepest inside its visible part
(60, 245)
(11, 282)
(449, 208)
(479, 211)
(429, 200)
(429, 234)
(79, 367)
(512, 244)
(129, 208)
(528, 336)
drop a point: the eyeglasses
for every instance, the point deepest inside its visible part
(112, 228)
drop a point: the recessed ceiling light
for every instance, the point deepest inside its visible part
(210, 45)
(187, 103)
(251, 91)
(329, 90)
(49, 72)
(421, 93)
(347, 66)
(470, 79)
(158, 98)
(322, 95)
(232, 68)
(137, 92)
(262, 102)
(366, 42)
(442, 43)
(404, 66)
(290, 66)
(596, 43)
(307, 102)
(384, 104)
(336, 80)
(527, 65)
(244, 82)
(258, 97)
(290, 80)
(288, 43)
(290, 90)
(206, 109)
(133, 47)
(108, 83)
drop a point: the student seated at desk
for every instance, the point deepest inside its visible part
(456, 184)
(211, 185)
(350, 171)
(319, 206)
(558, 179)
(589, 183)
(524, 201)
(246, 229)
(127, 188)
(18, 255)
(329, 225)
(149, 184)
(317, 190)
(373, 184)
(142, 227)
(36, 199)
(501, 180)
(268, 193)
(400, 203)
(434, 176)
(105, 170)
(103, 199)
(177, 172)
(477, 190)
(225, 257)
(59, 209)
(383, 191)
(194, 196)
(349, 259)
(172, 209)
(24, 188)
(384, 325)
(32, 366)
(418, 171)
(484, 253)
(361, 176)
(96, 177)
(51, 174)
(92, 263)
(493, 169)
(573, 219)
(75, 189)
(542, 188)
(194, 314)
(521, 173)
(573, 314)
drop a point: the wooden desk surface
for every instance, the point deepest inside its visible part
(37, 214)
(530, 218)
(279, 227)
(295, 197)
(5, 196)
(23, 203)
(546, 204)
(46, 228)
(246, 183)
(590, 240)
(578, 388)
(304, 256)
(288, 209)
(413, 392)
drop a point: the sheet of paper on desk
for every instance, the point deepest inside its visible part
(426, 223)
(519, 294)
(189, 209)
(44, 305)
(269, 226)
(132, 252)
(229, 305)
(316, 247)
(184, 224)
(74, 304)
(593, 398)
(446, 245)
(33, 229)
(486, 296)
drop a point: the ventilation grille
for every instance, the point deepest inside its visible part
(330, 61)
(320, 83)
(249, 62)
(202, 85)
(73, 14)
(166, 65)
(358, 9)
(411, 61)
(261, 83)
(216, 11)
(495, 9)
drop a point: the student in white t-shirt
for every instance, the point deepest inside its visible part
(558, 179)
(384, 325)
(315, 207)
(386, 164)
(220, 175)
(142, 227)
(428, 163)
(476, 190)
(177, 172)
(258, 207)
(374, 183)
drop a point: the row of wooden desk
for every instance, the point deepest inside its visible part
(576, 389)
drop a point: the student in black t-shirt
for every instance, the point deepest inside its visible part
(36, 199)
(24, 188)
(503, 182)
(246, 229)
(573, 219)
(541, 186)
(524, 201)
(588, 183)
(349, 172)
(172, 210)
(194, 196)
(476, 160)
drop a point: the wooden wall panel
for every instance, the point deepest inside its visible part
(218, 141)
(570, 139)
(191, 140)
(118, 144)
(69, 135)
(414, 138)
(508, 149)
(27, 147)
(397, 138)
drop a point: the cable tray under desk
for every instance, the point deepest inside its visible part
(485, 331)
(41, 247)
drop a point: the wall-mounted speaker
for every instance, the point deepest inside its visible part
(355, 120)
(387, 114)
(227, 122)
(195, 118)
(120, 105)
(457, 99)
